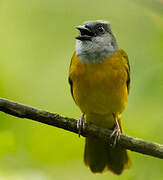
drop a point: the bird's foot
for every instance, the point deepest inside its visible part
(115, 135)
(80, 124)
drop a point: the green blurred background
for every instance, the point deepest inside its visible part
(36, 45)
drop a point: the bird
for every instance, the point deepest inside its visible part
(99, 78)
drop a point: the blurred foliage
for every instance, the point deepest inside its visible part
(36, 44)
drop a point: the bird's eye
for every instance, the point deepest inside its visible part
(100, 29)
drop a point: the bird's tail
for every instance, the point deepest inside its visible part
(100, 157)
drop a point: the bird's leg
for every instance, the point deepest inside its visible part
(80, 124)
(116, 132)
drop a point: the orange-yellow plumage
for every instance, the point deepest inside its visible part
(100, 90)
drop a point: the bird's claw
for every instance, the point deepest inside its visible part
(80, 124)
(115, 135)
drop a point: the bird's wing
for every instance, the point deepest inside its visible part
(127, 67)
(70, 79)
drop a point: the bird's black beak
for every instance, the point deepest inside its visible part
(85, 33)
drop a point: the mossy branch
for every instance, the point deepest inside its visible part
(69, 124)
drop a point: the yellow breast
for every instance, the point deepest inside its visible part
(100, 88)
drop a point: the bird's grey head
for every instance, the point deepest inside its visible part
(95, 42)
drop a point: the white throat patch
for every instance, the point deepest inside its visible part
(96, 50)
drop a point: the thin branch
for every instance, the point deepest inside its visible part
(69, 124)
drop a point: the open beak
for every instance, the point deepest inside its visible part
(85, 33)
